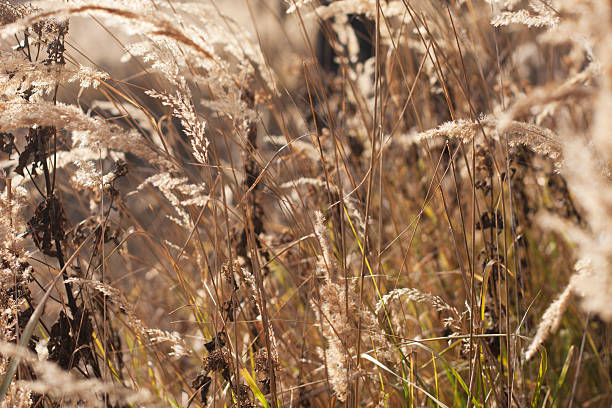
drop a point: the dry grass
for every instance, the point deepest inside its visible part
(355, 203)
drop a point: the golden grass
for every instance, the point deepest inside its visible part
(355, 203)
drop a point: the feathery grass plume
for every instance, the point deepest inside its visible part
(551, 319)
(87, 175)
(15, 298)
(79, 155)
(13, 204)
(335, 322)
(171, 187)
(542, 15)
(16, 273)
(414, 295)
(538, 138)
(337, 329)
(183, 109)
(365, 7)
(326, 262)
(295, 5)
(88, 77)
(87, 132)
(37, 78)
(388, 307)
(339, 323)
(58, 383)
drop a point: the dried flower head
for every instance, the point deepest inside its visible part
(244, 397)
(217, 360)
(261, 360)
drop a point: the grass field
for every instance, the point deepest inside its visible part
(283, 203)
